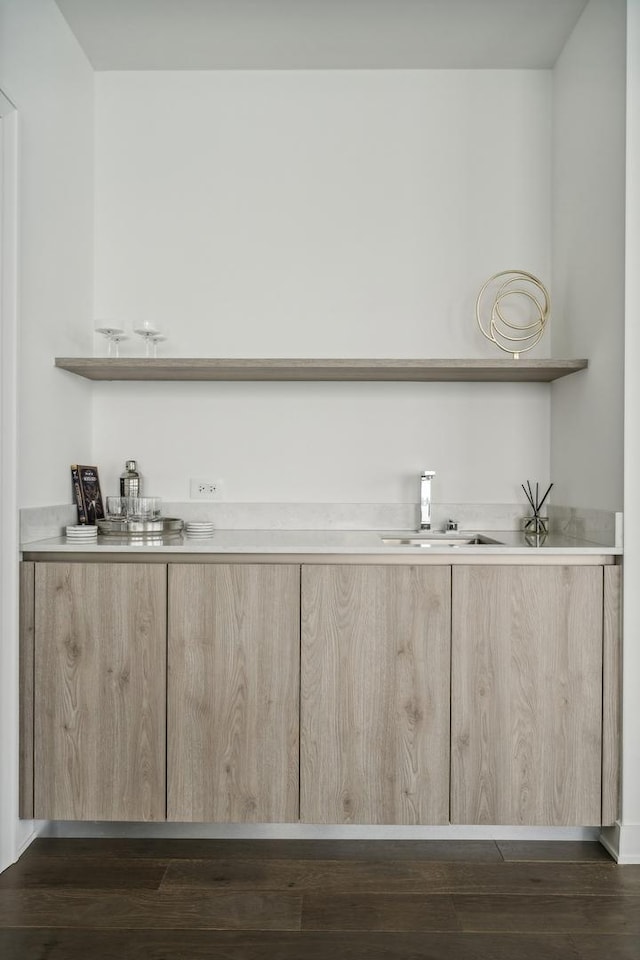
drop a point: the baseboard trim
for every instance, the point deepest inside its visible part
(622, 841)
(304, 831)
(610, 840)
(26, 842)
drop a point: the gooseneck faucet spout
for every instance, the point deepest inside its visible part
(425, 499)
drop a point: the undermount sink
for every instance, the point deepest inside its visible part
(444, 540)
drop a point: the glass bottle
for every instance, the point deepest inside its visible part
(130, 480)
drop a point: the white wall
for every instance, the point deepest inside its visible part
(8, 469)
(631, 716)
(588, 258)
(44, 72)
(328, 213)
(49, 81)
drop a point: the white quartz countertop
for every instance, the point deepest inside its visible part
(348, 542)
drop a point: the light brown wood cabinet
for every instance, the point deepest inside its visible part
(99, 682)
(330, 693)
(375, 694)
(526, 712)
(233, 692)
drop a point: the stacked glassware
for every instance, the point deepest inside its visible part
(137, 516)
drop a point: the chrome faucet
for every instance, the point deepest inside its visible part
(425, 499)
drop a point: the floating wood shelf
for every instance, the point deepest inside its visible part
(179, 368)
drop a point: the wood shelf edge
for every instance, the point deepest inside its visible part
(185, 369)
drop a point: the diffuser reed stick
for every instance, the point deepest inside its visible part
(535, 523)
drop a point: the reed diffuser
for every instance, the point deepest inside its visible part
(535, 523)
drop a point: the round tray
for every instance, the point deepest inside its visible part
(139, 528)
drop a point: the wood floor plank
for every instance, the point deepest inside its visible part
(390, 912)
(191, 909)
(87, 873)
(186, 849)
(328, 876)
(611, 946)
(406, 876)
(55, 944)
(568, 914)
(554, 850)
(313, 900)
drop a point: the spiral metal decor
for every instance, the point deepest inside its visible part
(512, 310)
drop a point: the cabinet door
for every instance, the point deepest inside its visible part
(99, 703)
(234, 655)
(375, 694)
(526, 713)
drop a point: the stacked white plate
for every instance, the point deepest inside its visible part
(82, 533)
(199, 529)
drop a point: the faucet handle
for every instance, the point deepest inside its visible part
(452, 526)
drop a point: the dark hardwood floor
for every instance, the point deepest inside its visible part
(311, 900)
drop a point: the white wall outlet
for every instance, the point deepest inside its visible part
(205, 489)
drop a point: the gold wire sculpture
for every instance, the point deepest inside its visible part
(529, 303)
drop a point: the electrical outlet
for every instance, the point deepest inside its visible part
(205, 489)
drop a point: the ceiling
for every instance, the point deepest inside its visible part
(320, 34)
